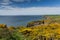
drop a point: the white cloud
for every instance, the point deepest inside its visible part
(31, 11)
(19, 0)
(6, 1)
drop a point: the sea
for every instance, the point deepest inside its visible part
(20, 20)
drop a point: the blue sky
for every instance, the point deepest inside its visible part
(29, 7)
(31, 3)
(41, 3)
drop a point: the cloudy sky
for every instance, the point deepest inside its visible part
(29, 7)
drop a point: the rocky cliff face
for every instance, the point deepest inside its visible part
(33, 23)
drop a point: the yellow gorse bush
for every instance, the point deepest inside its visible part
(3, 26)
(22, 30)
(44, 30)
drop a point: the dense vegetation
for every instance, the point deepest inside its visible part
(46, 29)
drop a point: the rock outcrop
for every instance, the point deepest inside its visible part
(33, 23)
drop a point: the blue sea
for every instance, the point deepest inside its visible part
(19, 20)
